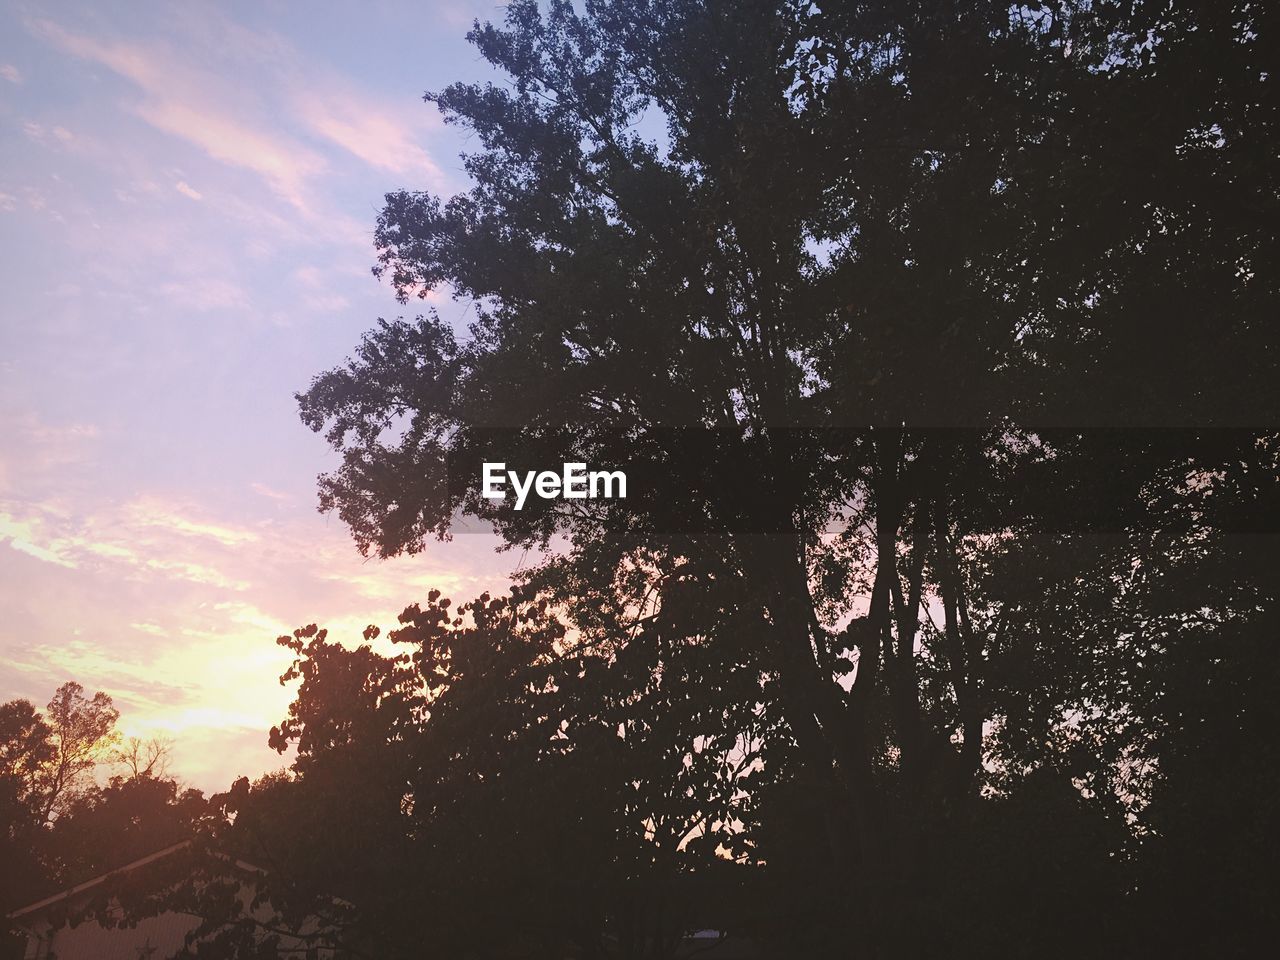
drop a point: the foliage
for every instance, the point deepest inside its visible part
(930, 330)
(503, 783)
(940, 338)
(62, 825)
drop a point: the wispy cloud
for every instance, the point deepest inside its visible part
(47, 135)
(328, 303)
(192, 103)
(262, 490)
(157, 524)
(370, 132)
(36, 449)
(143, 540)
(150, 512)
(204, 107)
(206, 293)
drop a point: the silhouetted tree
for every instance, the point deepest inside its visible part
(82, 735)
(46, 765)
(930, 331)
(144, 758)
(25, 751)
(122, 821)
(503, 784)
(61, 826)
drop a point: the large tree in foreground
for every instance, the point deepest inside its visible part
(937, 336)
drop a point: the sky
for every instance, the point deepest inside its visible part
(187, 200)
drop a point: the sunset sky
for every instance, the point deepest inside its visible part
(187, 198)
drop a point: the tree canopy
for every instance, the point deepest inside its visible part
(77, 799)
(942, 337)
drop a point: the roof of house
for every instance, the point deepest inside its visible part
(90, 884)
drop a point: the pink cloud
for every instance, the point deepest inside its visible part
(262, 490)
(370, 132)
(35, 450)
(327, 302)
(200, 106)
(194, 105)
(284, 164)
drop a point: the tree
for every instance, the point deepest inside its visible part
(61, 825)
(124, 820)
(144, 758)
(856, 312)
(46, 766)
(501, 784)
(46, 761)
(25, 750)
(82, 735)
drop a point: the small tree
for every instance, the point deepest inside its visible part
(144, 758)
(47, 765)
(83, 734)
